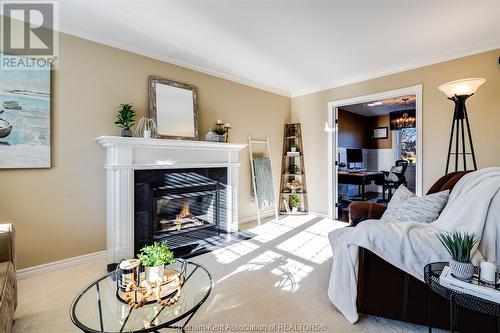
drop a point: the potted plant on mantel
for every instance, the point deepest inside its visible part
(294, 203)
(125, 119)
(459, 245)
(154, 258)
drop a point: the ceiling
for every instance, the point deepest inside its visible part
(382, 107)
(290, 46)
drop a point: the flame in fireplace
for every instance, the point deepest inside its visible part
(185, 212)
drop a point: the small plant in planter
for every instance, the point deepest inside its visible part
(294, 203)
(125, 118)
(459, 245)
(219, 128)
(154, 258)
(293, 146)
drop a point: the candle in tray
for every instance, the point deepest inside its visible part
(147, 133)
(488, 271)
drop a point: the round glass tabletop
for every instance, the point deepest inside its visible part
(97, 308)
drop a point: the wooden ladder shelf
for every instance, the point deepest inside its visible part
(293, 173)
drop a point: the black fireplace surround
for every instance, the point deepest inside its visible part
(178, 206)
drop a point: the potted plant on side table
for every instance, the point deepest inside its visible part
(459, 245)
(294, 203)
(125, 119)
(154, 258)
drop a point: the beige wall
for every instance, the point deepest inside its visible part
(484, 109)
(60, 212)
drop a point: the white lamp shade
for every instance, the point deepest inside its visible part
(463, 87)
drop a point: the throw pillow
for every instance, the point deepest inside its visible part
(406, 206)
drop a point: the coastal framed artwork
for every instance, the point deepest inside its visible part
(25, 118)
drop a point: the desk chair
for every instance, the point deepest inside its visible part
(394, 178)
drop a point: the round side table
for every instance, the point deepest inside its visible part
(432, 272)
(96, 309)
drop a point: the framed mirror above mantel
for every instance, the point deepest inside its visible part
(174, 108)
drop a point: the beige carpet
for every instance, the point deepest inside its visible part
(278, 277)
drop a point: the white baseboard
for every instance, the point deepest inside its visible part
(323, 215)
(60, 264)
(253, 218)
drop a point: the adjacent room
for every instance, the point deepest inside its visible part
(376, 149)
(249, 166)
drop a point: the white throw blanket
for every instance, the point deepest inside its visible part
(473, 206)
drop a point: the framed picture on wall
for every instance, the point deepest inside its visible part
(380, 132)
(25, 118)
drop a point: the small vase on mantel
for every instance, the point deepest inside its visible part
(126, 133)
(146, 128)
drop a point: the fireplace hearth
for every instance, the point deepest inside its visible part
(180, 207)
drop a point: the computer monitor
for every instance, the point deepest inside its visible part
(354, 156)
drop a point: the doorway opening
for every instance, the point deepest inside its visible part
(374, 147)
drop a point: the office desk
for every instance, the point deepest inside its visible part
(361, 179)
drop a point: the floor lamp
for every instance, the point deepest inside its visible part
(458, 92)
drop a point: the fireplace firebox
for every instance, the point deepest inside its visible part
(180, 207)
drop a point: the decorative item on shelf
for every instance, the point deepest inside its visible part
(211, 136)
(459, 91)
(459, 245)
(125, 119)
(292, 130)
(154, 258)
(293, 185)
(219, 132)
(145, 128)
(294, 203)
(405, 118)
(293, 169)
(228, 132)
(293, 147)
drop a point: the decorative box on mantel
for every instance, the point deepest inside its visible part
(126, 155)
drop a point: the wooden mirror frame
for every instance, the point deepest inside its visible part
(152, 81)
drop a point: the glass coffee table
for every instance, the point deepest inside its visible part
(97, 308)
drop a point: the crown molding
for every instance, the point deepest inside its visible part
(97, 38)
(415, 65)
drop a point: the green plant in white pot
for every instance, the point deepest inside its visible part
(294, 203)
(459, 245)
(125, 118)
(293, 147)
(154, 258)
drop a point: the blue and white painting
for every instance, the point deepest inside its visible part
(25, 118)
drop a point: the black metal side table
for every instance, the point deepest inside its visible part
(432, 272)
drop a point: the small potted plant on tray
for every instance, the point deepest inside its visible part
(125, 119)
(294, 203)
(154, 258)
(459, 245)
(293, 147)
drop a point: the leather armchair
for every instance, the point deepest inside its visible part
(386, 291)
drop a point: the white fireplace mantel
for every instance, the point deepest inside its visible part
(124, 155)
